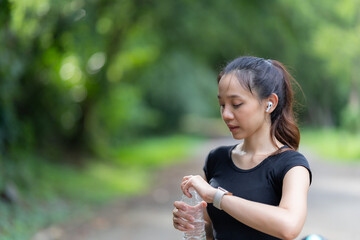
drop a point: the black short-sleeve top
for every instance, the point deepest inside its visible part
(262, 183)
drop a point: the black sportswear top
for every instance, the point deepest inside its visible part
(262, 183)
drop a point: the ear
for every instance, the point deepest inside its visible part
(271, 103)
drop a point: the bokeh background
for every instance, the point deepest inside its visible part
(96, 94)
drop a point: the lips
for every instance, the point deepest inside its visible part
(232, 127)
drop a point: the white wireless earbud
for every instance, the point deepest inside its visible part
(269, 106)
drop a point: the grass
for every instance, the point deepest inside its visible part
(55, 192)
(333, 144)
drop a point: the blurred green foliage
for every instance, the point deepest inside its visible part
(87, 78)
(332, 144)
(80, 75)
(56, 192)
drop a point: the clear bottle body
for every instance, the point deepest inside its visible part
(195, 209)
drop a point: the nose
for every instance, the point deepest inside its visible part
(227, 114)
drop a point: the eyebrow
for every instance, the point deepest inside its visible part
(230, 96)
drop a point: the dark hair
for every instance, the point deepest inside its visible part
(267, 77)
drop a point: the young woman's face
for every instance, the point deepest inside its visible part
(241, 110)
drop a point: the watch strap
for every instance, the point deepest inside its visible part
(220, 192)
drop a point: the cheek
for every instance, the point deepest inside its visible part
(257, 119)
(251, 115)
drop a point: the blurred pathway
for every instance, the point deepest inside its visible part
(334, 199)
(334, 205)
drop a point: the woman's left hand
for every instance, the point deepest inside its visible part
(204, 189)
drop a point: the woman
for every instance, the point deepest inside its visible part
(265, 178)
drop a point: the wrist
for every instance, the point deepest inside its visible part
(210, 196)
(219, 194)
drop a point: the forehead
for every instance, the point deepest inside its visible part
(230, 87)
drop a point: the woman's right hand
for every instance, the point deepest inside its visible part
(181, 218)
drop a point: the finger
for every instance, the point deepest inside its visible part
(186, 228)
(181, 228)
(183, 215)
(180, 205)
(183, 185)
(187, 177)
(200, 206)
(182, 225)
(187, 187)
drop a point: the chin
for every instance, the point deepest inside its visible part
(237, 136)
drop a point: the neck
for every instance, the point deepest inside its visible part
(260, 142)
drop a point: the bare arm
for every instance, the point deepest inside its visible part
(284, 221)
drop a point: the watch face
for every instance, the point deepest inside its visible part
(226, 192)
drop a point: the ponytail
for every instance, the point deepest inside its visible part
(284, 126)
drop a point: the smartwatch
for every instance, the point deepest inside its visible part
(220, 192)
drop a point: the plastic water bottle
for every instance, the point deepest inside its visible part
(196, 210)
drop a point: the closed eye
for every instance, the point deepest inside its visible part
(237, 105)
